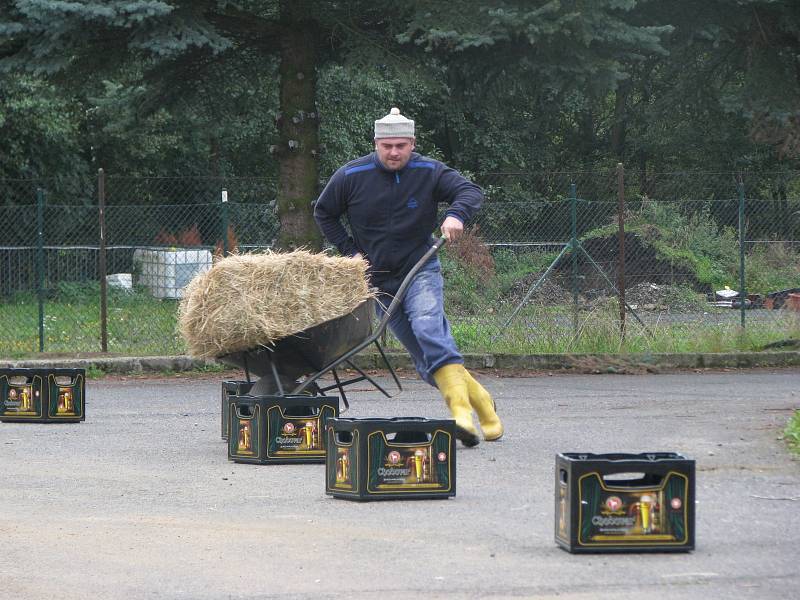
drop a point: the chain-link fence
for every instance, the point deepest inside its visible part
(556, 262)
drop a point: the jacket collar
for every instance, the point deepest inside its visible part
(380, 165)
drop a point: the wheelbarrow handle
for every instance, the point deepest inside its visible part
(401, 291)
(373, 339)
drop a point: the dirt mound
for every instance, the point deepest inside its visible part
(642, 265)
(549, 293)
(662, 297)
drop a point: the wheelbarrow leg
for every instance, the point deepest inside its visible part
(364, 377)
(373, 339)
(246, 369)
(341, 390)
(277, 377)
(388, 365)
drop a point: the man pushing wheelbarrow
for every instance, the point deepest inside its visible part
(390, 199)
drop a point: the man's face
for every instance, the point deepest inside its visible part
(394, 153)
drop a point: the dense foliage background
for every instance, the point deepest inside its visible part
(288, 89)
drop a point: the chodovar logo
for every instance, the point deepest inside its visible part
(394, 457)
(288, 428)
(613, 503)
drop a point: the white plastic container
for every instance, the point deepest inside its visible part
(165, 272)
(123, 281)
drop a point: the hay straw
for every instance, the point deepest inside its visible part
(250, 300)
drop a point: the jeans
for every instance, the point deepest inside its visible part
(420, 323)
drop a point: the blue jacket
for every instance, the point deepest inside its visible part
(392, 214)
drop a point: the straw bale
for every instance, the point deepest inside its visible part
(250, 300)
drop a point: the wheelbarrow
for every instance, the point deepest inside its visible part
(293, 365)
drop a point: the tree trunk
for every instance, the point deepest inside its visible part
(784, 212)
(298, 128)
(619, 129)
(647, 186)
(586, 135)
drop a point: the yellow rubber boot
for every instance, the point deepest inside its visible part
(482, 403)
(452, 384)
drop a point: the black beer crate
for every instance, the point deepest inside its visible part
(624, 502)
(279, 429)
(402, 457)
(42, 395)
(231, 388)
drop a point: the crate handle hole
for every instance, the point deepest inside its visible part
(244, 412)
(344, 437)
(408, 437)
(632, 479)
(300, 411)
(19, 380)
(63, 380)
(563, 475)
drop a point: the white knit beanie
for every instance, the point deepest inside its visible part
(394, 125)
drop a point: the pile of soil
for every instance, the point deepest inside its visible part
(549, 293)
(642, 265)
(660, 297)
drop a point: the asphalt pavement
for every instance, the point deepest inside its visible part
(140, 500)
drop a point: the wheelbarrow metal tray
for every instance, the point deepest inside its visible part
(309, 350)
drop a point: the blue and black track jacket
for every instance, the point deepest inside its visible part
(392, 214)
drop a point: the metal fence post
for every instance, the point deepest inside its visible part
(573, 201)
(742, 294)
(101, 264)
(40, 262)
(621, 257)
(224, 222)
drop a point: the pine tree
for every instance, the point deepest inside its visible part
(176, 43)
